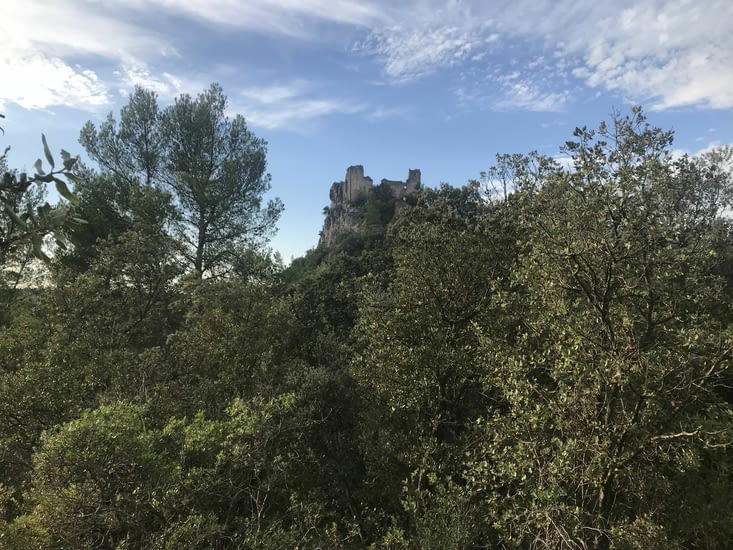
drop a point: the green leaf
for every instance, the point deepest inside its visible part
(38, 165)
(44, 210)
(59, 236)
(64, 192)
(73, 177)
(69, 161)
(14, 216)
(47, 151)
(38, 247)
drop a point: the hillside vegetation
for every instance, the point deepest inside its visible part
(538, 360)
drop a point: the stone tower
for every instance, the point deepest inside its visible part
(346, 213)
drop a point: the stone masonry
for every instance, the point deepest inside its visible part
(345, 212)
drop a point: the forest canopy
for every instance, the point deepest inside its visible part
(539, 359)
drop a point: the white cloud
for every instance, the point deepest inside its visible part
(521, 89)
(524, 93)
(674, 53)
(382, 113)
(292, 106)
(710, 147)
(288, 17)
(74, 28)
(666, 53)
(276, 93)
(410, 52)
(669, 53)
(47, 49)
(36, 81)
(166, 85)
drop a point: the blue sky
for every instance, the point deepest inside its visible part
(440, 85)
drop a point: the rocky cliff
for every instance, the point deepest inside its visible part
(346, 213)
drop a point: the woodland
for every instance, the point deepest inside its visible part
(538, 359)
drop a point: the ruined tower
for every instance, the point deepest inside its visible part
(346, 211)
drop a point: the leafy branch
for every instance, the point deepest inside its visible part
(31, 225)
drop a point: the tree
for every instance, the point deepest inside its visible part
(419, 359)
(117, 477)
(99, 480)
(133, 151)
(621, 342)
(216, 168)
(23, 219)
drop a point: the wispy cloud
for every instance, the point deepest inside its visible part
(670, 53)
(293, 105)
(411, 52)
(73, 28)
(666, 53)
(523, 92)
(277, 93)
(382, 113)
(163, 83)
(50, 52)
(520, 87)
(88, 54)
(287, 17)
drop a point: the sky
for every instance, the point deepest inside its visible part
(439, 85)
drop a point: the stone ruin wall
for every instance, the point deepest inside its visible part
(347, 198)
(403, 189)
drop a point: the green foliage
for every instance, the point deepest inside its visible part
(216, 168)
(213, 166)
(111, 479)
(112, 206)
(611, 376)
(132, 151)
(541, 361)
(420, 350)
(232, 342)
(23, 219)
(97, 480)
(380, 207)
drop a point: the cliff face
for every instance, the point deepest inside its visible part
(345, 214)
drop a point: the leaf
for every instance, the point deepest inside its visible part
(73, 177)
(38, 247)
(38, 165)
(64, 192)
(43, 210)
(60, 240)
(47, 151)
(14, 216)
(69, 161)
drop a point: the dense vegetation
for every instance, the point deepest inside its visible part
(548, 366)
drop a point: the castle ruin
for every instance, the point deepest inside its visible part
(348, 197)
